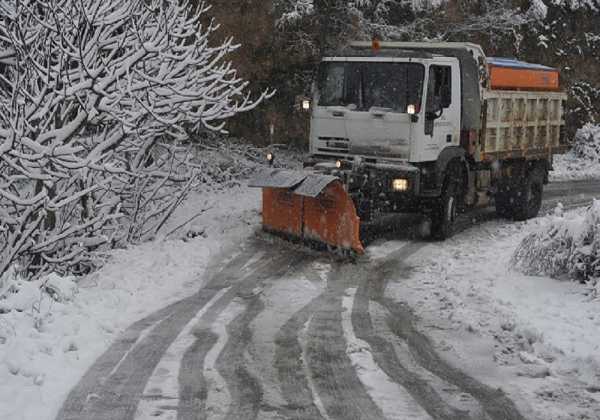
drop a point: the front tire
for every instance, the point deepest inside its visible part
(443, 220)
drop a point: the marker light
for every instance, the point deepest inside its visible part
(375, 44)
(306, 104)
(400, 184)
(411, 109)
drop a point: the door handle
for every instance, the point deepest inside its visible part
(338, 113)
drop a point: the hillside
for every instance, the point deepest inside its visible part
(284, 38)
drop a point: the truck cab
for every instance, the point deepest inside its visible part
(386, 109)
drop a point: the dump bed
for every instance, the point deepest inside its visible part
(522, 124)
(510, 74)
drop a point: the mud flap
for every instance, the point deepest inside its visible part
(310, 207)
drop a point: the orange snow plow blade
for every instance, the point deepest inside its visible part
(309, 207)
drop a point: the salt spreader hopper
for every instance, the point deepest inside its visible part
(430, 128)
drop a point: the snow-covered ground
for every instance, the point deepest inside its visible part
(530, 336)
(48, 342)
(527, 335)
(583, 160)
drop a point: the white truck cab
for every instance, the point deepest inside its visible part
(398, 108)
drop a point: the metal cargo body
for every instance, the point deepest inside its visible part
(522, 124)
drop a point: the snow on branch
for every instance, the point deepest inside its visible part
(97, 103)
(569, 245)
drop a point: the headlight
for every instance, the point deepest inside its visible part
(411, 109)
(270, 158)
(400, 184)
(306, 104)
(338, 164)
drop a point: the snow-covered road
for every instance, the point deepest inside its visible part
(280, 333)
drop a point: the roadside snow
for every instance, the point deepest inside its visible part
(530, 336)
(52, 330)
(568, 246)
(583, 160)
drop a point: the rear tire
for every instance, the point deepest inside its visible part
(503, 203)
(522, 201)
(528, 197)
(443, 220)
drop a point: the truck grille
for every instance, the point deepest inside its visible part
(333, 144)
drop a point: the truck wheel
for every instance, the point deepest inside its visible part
(503, 205)
(527, 200)
(444, 216)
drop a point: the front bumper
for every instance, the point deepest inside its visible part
(370, 184)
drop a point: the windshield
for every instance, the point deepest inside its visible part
(367, 85)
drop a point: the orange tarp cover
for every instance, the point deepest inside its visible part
(521, 78)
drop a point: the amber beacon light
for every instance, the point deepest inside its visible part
(375, 44)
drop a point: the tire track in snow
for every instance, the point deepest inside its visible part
(244, 387)
(386, 358)
(316, 375)
(282, 298)
(382, 350)
(394, 400)
(401, 322)
(193, 389)
(311, 383)
(99, 396)
(451, 395)
(297, 386)
(117, 396)
(496, 404)
(195, 384)
(161, 393)
(218, 391)
(339, 388)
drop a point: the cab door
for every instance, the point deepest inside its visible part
(442, 111)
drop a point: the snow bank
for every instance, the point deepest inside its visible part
(583, 160)
(52, 329)
(568, 246)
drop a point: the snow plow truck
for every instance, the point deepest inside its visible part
(431, 128)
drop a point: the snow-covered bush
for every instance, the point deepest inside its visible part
(97, 100)
(569, 246)
(227, 162)
(583, 160)
(587, 143)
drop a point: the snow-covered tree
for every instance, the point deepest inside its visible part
(97, 99)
